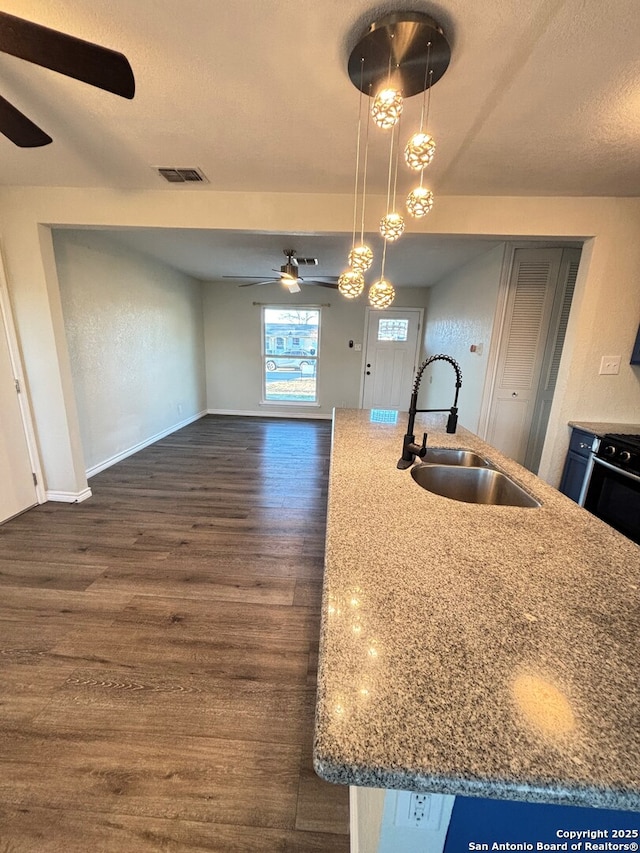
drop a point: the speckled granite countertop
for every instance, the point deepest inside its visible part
(598, 428)
(467, 649)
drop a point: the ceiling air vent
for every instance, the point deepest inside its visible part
(307, 262)
(182, 176)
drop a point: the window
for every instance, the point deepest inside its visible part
(290, 354)
(393, 330)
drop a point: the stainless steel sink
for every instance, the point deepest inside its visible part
(447, 456)
(472, 485)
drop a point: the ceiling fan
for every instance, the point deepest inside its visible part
(288, 276)
(93, 64)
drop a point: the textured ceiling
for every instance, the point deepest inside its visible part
(541, 98)
(210, 255)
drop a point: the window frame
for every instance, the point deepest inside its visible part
(280, 354)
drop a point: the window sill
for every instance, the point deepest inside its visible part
(290, 404)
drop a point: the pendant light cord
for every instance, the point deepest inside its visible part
(395, 177)
(364, 176)
(384, 241)
(355, 191)
(429, 98)
(384, 258)
(425, 87)
(393, 134)
(426, 97)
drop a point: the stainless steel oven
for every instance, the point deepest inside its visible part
(613, 493)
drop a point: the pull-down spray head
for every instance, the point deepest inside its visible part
(409, 448)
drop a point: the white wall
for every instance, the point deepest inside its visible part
(135, 339)
(233, 345)
(366, 808)
(461, 313)
(604, 318)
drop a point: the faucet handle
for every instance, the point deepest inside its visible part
(423, 450)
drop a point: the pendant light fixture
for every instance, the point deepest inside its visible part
(382, 292)
(361, 256)
(421, 147)
(351, 281)
(420, 150)
(387, 108)
(392, 223)
(403, 54)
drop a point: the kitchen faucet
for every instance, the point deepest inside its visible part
(409, 448)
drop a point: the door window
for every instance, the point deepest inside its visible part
(393, 330)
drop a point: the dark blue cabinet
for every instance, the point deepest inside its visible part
(576, 465)
(635, 355)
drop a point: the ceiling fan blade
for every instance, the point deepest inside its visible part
(249, 276)
(292, 286)
(258, 283)
(83, 60)
(20, 129)
(332, 279)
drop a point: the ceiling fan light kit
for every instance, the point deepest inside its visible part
(401, 55)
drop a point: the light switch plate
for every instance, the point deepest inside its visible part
(610, 365)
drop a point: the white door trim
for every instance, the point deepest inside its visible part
(6, 317)
(496, 337)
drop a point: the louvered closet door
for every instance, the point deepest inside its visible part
(528, 313)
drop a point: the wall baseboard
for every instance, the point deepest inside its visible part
(69, 497)
(269, 414)
(107, 463)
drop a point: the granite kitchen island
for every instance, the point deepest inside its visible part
(472, 649)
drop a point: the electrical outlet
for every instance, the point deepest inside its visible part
(420, 811)
(610, 365)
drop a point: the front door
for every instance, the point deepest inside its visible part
(17, 489)
(391, 357)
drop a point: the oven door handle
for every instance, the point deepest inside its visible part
(586, 481)
(615, 468)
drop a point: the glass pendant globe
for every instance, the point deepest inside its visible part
(386, 108)
(419, 151)
(381, 294)
(419, 202)
(351, 283)
(360, 258)
(392, 226)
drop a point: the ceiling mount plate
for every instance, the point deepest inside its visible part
(402, 37)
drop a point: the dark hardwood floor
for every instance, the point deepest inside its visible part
(158, 646)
